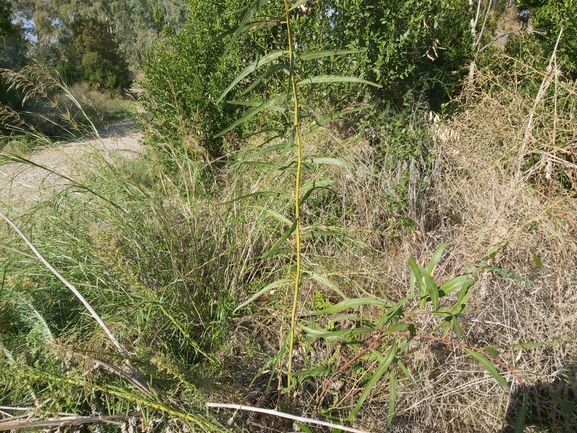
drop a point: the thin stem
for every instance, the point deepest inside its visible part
(550, 72)
(297, 188)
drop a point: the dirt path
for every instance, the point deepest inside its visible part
(22, 184)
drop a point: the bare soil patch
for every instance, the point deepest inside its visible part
(29, 179)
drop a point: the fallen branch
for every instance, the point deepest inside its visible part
(17, 424)
(284, 415)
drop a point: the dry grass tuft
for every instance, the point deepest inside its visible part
(523, 222)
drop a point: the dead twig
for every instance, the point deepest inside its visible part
(285, 415)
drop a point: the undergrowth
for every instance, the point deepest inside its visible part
(52, 111)
(435, 290)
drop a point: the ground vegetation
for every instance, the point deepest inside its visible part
(365, 222)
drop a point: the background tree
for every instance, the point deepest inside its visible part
(187, 71)
(5, 22)
(12, 50)
(92, 54)
(137, 24)
(409, 47)
(548, 17)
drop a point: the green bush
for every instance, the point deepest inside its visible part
(410, 46)
(186, 72)
(12, 52)
(547, 18)
(415, 50)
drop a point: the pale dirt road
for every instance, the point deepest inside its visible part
(23, 184)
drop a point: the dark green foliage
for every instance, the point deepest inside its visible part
(12, 51)
(418, 47)
(187, 72)
(5, 14)
(549, 19)
(414, 50)
(92, 54)
(136, 23)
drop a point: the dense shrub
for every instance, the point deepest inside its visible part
(410, 47)
(545, 20)
(412, 51)
(185, 74)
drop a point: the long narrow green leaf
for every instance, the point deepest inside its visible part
(320, 371)
(425, 283)
(491, 351)
(392, 396)
(272, 22)
(393, 311)
(456, 283)
(520, 423)
(397, 327)
(264, 106)
(350, 303)
(325, 282)
(270, 165)
(503, 272)
(462, 298)
(280, 241)
(270, 71)
(265, 289)
(490, 367)
(433, 291)
(328, 53)
(329, 161)
(416, 274)
(310, 187)
(382, 369)
(412, 279)
(282, 251)
(272, 194)
(323, 121)
(324, 79)
(245, 103)
(332, 335)
(404, 368)
(251, 11)
(323, 183)
(258, 154)
(456, 327)
(265, 60)
(436, 258)
(276, 108)
(300, 425)
(274, 214)
(494, 250)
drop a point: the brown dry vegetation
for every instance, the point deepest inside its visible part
(492, 201)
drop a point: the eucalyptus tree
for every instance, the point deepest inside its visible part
(136, 24)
